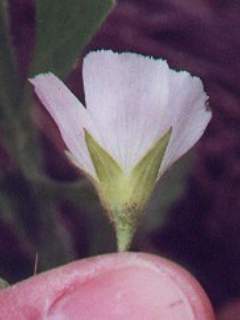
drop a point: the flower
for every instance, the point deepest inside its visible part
(141, 116)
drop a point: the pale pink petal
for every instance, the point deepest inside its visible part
(136, 99)
(189, 116)
(69, 114)
(127, 94)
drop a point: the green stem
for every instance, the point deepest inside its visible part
(125, 229)
(124, 237)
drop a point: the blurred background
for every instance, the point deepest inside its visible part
(194, 215)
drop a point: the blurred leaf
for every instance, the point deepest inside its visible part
(12, 122)
(100, 232)
(169, 189)
(6, 208)
(63, 29)
(54, 243)
(38, 224)
(8, 76)
(3, 283)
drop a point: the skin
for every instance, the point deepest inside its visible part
(116, 286)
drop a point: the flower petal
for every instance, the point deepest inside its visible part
(127, 94)
(189, 117)
(136, 99)
(69, 114)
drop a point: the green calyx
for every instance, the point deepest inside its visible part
(124, 196)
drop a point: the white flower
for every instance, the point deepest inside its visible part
(133, 104)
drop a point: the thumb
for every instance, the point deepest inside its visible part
(114, 287)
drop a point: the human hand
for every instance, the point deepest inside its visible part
(118, 286)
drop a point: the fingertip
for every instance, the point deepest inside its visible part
(117, 286)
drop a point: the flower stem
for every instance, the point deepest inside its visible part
(124, 234)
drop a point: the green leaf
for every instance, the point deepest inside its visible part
(63, 29)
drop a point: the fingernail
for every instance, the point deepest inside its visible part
(129, 293)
